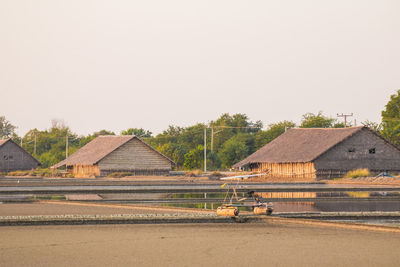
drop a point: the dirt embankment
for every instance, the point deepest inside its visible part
(366, 180)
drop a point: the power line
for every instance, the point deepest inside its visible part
(345, 117)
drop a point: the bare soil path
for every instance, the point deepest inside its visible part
(255, 244)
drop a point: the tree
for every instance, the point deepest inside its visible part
(239, 122)
(318, 120)
(51, 144)
(6, 128)
(139, 132)
(233, 151)
(174, 151)
(391, 119)
(274, 130)
(195, 158)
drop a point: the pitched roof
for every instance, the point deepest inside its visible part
(300, 145)
(3, 141)
(98, 148)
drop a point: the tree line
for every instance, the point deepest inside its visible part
(230, 138)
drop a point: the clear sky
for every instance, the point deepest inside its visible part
(123, 63)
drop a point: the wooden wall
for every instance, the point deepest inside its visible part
(339, 159)
(303, 171)
(13, 157)
(136, 157)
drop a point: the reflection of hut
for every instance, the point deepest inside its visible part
(108, 154)
(323, 153)
(13, 157)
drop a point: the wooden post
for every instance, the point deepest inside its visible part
(205, 149)
(66, 146)
(212, 139)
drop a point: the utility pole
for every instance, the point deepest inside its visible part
(66, 146)
(205, 149)
(34, 146)
(345, 117)
(212, 139)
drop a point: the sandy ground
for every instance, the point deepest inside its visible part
(256, 244)
(62, 208)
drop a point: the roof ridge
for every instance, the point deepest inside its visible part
(300, 145)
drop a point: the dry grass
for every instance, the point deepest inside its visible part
(41, 173)
(358, 173)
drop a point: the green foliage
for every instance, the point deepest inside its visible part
(391, 119)
(358, 173)
(175, 152)
(194, 159)
(6, 128)
(213, 161)
(274, 130)
(223, 132)
(233, 151)
(318, 120)
(138, 132)
(50, 144)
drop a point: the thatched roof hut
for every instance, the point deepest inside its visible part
(13, 157)
(108, 153)
(324, 151)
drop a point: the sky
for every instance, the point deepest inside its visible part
(148, 64)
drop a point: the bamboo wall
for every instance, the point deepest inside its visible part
(85, 170)
(303, 171)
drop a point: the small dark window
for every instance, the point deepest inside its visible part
(10, 157)
(5, 157)
(372, 151)
(352, 149)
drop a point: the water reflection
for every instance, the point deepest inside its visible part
(313, 202)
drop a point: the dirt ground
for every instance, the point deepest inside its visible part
(366, 181)
(67, 208)
(255, 244)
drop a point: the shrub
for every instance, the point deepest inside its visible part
(358, 173)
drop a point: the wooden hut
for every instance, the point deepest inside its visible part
(13, 157)
(315, 153)
(108, 154)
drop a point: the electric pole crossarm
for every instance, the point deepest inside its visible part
(345, 117)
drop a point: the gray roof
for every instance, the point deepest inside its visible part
(299, 145)
(99, 148)
(3, 141)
